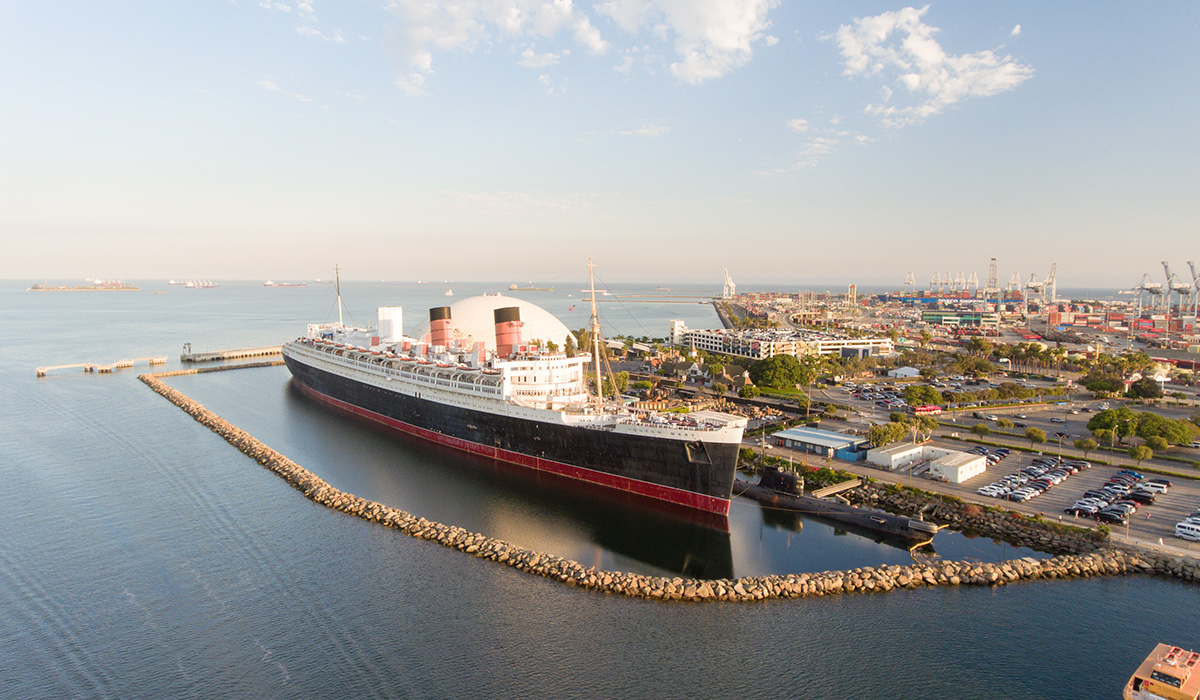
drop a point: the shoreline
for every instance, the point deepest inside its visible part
(1123, 560)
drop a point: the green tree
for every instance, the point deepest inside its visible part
(777, 372)
(1086, 445)
(921, 395)
(643, 385)
(1139, 453)
(1123, 420)
(1156, 443)
(749, 391)
(885, 434)
(1145, 388)
(1103, 435)
(1035, 436)
(1004, 423)
(811, 367)
(980, 429)
(1175, 432)
(924, 427)
(979, 346)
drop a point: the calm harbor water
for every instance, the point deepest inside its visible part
(142, 556)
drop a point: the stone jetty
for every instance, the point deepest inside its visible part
(1087, 560)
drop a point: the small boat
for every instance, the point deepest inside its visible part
(1168, 673)
(449, 292)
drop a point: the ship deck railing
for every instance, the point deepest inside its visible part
(481, 385)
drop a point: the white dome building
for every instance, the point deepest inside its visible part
(472, 320)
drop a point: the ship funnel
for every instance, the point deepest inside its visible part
(440, 326)
(508, 330)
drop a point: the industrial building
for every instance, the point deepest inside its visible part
(760, 344)
(822, 442)
(947, 465)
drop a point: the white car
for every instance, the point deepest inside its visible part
(1151, 486)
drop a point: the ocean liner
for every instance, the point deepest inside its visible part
(501, 393)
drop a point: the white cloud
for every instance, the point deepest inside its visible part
(551, 87)
(1016, 30)
(709, 38)
(271, 86)
(650, 130)
(530, 59)
(920, 65)
(798, 125)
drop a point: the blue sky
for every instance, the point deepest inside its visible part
(793, 143)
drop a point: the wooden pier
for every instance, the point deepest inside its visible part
(189, 356)
(103, 369)
(837, 488)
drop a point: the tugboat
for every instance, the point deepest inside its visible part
(1168, 673)
(783, 490)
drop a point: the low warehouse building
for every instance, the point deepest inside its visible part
(896, 455)
(823, 442)
(958, 467)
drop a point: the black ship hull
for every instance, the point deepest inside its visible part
(692, 474)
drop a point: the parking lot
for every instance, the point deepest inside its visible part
(1147, 525)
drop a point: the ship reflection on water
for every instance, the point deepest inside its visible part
(784, 519)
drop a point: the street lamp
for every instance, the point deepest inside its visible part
(1060, 439)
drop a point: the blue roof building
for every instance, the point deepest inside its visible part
(823, 442)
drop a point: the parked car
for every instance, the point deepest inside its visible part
(1112, 518)
(1151, 486)
(1160, 480)
(1146, 498)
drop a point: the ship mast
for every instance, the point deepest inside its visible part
(337, 283)
(595, 336)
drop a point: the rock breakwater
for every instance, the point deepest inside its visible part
(572, 573)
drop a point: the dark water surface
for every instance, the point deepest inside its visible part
(143, 557)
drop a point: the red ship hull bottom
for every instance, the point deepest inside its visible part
(688, 499)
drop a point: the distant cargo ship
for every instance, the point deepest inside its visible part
(269, 283)
(469, 380)
(95, 286)
(514, 288)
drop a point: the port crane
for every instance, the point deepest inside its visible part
(1150, 287)
(1037, 287)
(730, 289)
(1174, 284)
(1195, 289)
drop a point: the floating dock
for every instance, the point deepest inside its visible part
(103, 369)
(217, 355)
